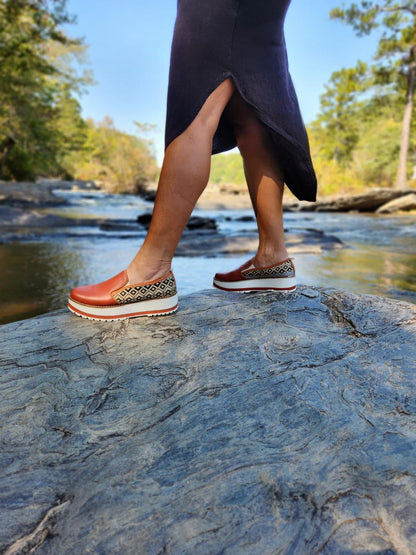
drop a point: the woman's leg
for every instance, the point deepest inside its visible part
(264, 180)
(184, 175)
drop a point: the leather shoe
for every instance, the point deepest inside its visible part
(116, 298)
(280, 277)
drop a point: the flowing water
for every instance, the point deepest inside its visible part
(39, 267)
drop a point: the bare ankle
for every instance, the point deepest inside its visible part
(263, 260)
(139, 272)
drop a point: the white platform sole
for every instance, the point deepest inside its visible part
(153, 307)
(265, 284)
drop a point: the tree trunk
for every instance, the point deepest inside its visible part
(5, 149)
(401, 182)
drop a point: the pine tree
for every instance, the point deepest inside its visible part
(395, 59)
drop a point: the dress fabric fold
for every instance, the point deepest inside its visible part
(244, 40)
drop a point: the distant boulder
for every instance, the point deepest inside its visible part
(144, 219)
(194, 222)
(28, 195)
(197, 222)
(402, 204)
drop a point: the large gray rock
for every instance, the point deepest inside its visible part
(241, 424)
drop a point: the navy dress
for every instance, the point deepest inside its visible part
(244, 40)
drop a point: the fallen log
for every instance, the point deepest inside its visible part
(364, 202)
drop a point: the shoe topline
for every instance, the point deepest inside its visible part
(116, 298)
(280, 277)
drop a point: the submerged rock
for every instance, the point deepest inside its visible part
(198, 222)
(194, 222)
(206, 243)
(257, 423)
(144, 219)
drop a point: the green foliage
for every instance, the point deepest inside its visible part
(332, 176)
(42, 131)
(122, 162)
(32, 81)
(376, 154)
(338, 124)
(227, 168)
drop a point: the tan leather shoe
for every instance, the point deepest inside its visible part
(280, 277)
(116, 298)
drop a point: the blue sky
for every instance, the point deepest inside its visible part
(129, 48)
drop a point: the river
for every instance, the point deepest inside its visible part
(39, 267)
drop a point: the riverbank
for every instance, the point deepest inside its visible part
(292, 426)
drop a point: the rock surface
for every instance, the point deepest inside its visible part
(40, 194)
(14, 217)
(28, 195)
(241, 424)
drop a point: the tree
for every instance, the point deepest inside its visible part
(227, 168)
(36, 84)
(123, 162)
(395, 57)
(338, 124)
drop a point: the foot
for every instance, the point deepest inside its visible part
(249, 277)
(117, 298)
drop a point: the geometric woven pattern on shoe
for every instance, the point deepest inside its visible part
(285, 269)
(158, 290)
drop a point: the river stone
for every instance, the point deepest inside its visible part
(402, 204)
(194, 222)
(252, 424)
